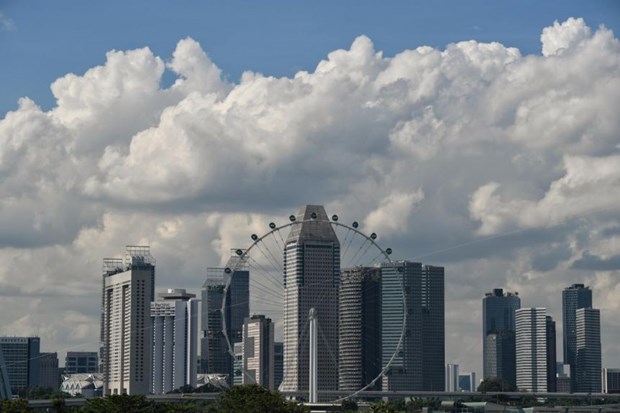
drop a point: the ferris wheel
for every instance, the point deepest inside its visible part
(290, 266)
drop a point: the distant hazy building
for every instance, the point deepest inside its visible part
(128, 290)
(21, 360)
(278, 364)
(452, 378)
(420, 363)
(573, 298)
(611, 380)
(175, 336)
(562, 378)
(77, 362)
(467, 382)
(215, 354)
(531, 349)
(551, 355)
(360, 328)
(49, 374)
(498, 335)
(5, 386)
(258, 362)
(311, 280)
(588, 351)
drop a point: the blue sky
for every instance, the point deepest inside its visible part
(43, 40)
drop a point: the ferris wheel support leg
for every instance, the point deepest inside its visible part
(313, 390)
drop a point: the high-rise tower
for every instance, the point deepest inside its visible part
(531, 349)
(214, 351)
(360, 328)
(588, 350)
(420, 363)
(498, 335)
(128, 289)
(311, 280)
(175, 325)
(573, 298)
(258, 351)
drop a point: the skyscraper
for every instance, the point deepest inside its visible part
(258, 349)
(573, 298)
(420, 363)
(551, 355)
(588, 350)
(611, 381)
(175, 334)
(498, 335)
(433, 328)
(214, 352)
(311, 280)
(22, 360)
(278, 364)
(360, 328)
(531, 349)
(128, 290)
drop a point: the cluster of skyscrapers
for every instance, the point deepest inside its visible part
(519, 344)
(379, 327)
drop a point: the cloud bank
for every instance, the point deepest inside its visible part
(502, 167)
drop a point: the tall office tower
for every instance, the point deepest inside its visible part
(452, 377)
(498, 335)
(611, 381)
(360, 328)
(573, 298)
(175, 333)
(562, 378)
(588, 350)
(531, 345)
(128, 290)
(215, 355)
(433, 329)
(22, 360)
(311, 280)
(405, 371)
(49, 374)
(258, 362)
(278, 364)
(5, 386)
(81, 362)
(551, 355)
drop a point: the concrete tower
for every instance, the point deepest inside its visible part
(128, 290)
(588, 350)
(311, 280)
(175, 335)
(531, 349)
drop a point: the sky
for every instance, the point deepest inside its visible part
(480, 136)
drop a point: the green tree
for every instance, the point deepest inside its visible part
(495, 385)
(348, 405)
(119, 404)
(382, 407)
(251, 398)
(14, 406)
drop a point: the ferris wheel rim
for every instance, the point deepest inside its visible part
(275, 228)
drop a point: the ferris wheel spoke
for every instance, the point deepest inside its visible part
(274, 279)
(270, 258)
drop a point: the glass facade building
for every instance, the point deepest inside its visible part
(588, 351)
(21, 360)
(498, 335)
(573, 298)
(81, 362)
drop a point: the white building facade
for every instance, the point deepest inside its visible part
(531, 349)
(258, 351)
(175, 337)
(128, 289)
(452, 377)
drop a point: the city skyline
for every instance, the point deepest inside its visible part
(490, 151)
